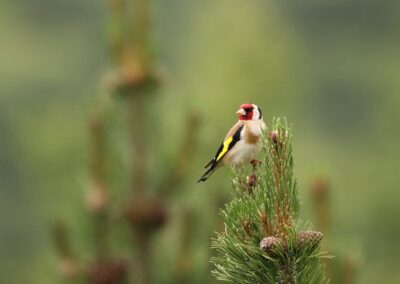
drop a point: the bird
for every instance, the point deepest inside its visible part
(242, 143)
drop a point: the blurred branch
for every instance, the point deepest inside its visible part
(117, 26)
(182, 160)
(345, 266)
(68, 265)
(97, 199)
(141, 30)
(135, 81)
(321, 203)
(183, 265)
(349, 270)
(139, 147)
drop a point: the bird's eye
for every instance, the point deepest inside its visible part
(248, 109)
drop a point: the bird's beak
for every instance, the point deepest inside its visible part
(241, 112)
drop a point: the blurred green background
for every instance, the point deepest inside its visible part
(330, 67)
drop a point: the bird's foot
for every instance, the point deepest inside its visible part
(255, 163)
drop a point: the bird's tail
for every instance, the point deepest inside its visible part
(212, 167)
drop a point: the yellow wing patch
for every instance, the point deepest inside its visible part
(225, 148)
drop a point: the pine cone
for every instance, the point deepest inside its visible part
(270, 244)
(308, 238)
(108, 272)
(274, 136)
(147, 214)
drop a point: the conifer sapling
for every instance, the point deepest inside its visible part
(264, 241)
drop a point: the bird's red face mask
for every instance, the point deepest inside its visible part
(245, 112)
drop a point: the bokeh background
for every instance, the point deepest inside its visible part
(332, 68)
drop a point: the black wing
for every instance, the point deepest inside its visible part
(222, 150)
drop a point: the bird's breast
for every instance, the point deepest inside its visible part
(251, 138)
(242, 153)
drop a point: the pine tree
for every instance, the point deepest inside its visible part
(143, 205)
(264, 241)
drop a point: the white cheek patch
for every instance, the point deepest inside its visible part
(256, 114)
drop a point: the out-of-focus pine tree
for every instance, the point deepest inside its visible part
(129, 88)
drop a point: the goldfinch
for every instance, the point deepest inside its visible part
(242, 143)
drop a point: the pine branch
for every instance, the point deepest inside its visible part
(263, 241)
(134, 80)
